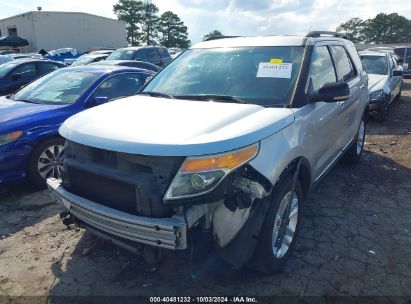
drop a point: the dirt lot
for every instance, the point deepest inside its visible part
(355, 239)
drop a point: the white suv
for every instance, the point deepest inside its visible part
(228, 138)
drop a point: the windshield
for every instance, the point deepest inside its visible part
(59, 87)
(83, 60)
(374, 64)
(121, 55)
(256, 75)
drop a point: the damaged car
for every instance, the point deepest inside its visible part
(228, 139)
(385, 81)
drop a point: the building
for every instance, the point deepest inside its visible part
(53, 30)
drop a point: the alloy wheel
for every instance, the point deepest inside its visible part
(285, 224)
(361, 137)
(50, 162)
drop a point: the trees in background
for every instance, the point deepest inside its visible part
(144, 26)
(172, 31)
(129, 11)
(383, 28)
(215, 33)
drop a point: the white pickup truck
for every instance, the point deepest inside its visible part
(228, 138)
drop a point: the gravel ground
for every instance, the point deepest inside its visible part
(355, 239)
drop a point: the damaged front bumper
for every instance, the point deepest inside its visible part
(170, 233)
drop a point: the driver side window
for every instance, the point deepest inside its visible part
(118, 86)
(321, 69)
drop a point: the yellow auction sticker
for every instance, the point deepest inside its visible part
(276, 61)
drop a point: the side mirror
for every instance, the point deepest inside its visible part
(16, 76)
(397, 73)
(96, 101)
(331, 92)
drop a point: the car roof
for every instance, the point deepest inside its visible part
(372, 53)
(285, 40)
(28, 59)
(94, 55)
(135, 48)
(106, 69)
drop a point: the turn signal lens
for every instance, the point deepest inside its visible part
(14, 135)
(227, 161)
(10, 137)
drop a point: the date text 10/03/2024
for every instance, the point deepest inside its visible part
(235, 299)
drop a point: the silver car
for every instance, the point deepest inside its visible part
(384, 81)
(227, 140)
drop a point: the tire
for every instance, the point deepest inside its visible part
(381, 116)
(269, 256)
(353, 154)
(45, 161)
(398, 97)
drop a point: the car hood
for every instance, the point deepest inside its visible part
(376, 82)
(14, 113)
(166, 127)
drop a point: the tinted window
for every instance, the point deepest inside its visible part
(374, 64)
(26, 70)
(321, 69)
(152, 55)
(45, 68)
(140, 55)
(345, 71)
(393, 61)
(164, 53)
(118, 86)
(98, 59)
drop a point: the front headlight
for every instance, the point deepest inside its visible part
(377, 95)
(200, 175)
(10, 137)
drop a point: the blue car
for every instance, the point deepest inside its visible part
(18, 73)
(30, 145)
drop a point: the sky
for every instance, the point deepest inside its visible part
(236, 17)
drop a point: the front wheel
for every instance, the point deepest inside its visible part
(277, 237)
(46, 161)
(353, 154)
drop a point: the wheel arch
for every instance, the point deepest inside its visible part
(37, 143)
(304, 173)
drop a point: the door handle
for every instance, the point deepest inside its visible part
(362, 86)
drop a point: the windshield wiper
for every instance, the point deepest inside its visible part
(214, 97)
(157, 94)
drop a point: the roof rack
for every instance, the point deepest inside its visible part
(219, 37)
(314, 34)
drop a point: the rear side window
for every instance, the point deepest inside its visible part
(321, 69)
(343, 64)
(45, 68)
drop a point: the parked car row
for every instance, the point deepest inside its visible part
(30, 145)
(227, 139)
(384, 81)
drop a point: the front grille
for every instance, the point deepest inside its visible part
(128, 182)
(105, 191)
